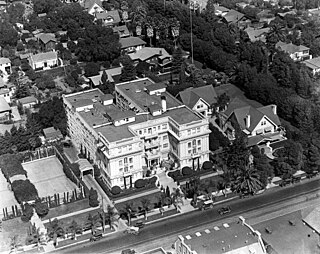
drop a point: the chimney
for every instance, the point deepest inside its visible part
(164, 103)
(274, 109)
(160, 52)
(247, 121)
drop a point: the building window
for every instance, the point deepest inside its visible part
(140, 132)
(149, 130)
(126, 169)
(131, 168)
(120, 163)
(130, 147)
(189, 132)
(119, 149)
(125, 160)
(189, 144)
(193, 131)
(164, 126)
(198, 129)
(165, 145)
(159, 127)
(199, 142)
(194, 142)
(165, 137)
(131, 160)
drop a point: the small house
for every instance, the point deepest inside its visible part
(43, 61)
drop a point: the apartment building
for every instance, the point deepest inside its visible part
(142, 128)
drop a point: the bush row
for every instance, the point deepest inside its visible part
(187, 172)
(10, 165)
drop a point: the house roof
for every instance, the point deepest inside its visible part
(313, 219)
(254, 34)
(122, 30)
(52, 133)
(112, 15)
(45, 38)
(87, 4)
(4, 60)
(131, 42)
(4, 91)
(220, 8)
(106, 97)
(25, 56)
(4, 106)
(290, 48)
(156, 86)
(147, 52)
(28, 99)
(84, 165)
(44, 56)
(233, 16)
(313, 63)
(117, 114)
(191, 96)
(96, 80)
(110, 73)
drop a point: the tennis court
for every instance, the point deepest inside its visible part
(48, 177)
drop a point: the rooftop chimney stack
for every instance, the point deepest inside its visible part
(247, 121)
(164, 103)
(274, 109)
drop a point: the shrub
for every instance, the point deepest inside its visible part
(186, 171)
(10, 165)
(115, 190)
(93, 198)
(174, 174)
(24, 190)
(140, 183)
(42, 208)
(76, 169)
(27, 213)
(73, 61)
(207, 165)
(152, 180)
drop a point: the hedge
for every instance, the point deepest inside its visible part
(10, 165)
(207, 165)
(24, 190)
(115, 190)
(140, 183)
(186, 171)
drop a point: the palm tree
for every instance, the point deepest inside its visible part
(55, 230)
(176, 197)
(247, 181)
(94, 222)
(14, 245)
(74, 229)
(111, 216)
(129, 211)
(146, 205)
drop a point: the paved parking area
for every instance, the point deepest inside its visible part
(48, 177)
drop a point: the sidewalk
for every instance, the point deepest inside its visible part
(165, 181)
(141, 194)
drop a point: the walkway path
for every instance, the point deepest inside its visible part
(103, 198)
(141, 194)
(167, 181)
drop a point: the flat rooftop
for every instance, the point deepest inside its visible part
(113, 133)
(135, 90)
(223, 240)
(84, 98)
(183, 115)
(96, 116)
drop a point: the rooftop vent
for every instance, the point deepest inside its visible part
(127, 89)
(138, 91)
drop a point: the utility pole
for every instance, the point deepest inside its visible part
(103, 215)
(191, 5)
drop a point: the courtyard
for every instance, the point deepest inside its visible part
(48, 177)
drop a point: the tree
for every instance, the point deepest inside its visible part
(247, 182)
(91, 69)
(176, 197)
(14, 244)
(16, 12)
(128, 72)
(111, 216)
(74, 229)
(313, 159)
(45, 82)
(129, 211)
(42, 208)
(27, 212)
(8, 35)
(43, 6)
(177, 61)
(93, 198)
(146, 206)
(55, 230)
(94, 222)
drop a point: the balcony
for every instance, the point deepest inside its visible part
(152, 144)
(153, 154)
(151, 136)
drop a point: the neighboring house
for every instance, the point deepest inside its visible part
(43, 61)
(265, 16)
(5, 65)
(5, 93)
(112, 74)
(5, 110)
(144, 127)
(235, 238)
(109, 18)
(220, 10)
(92, 6)
(257, 34)
(242, 5)
(131, 44)
(154, 56)
(236, 18)
(313, 65)
(297, 53)
(261, 125)
(199, 99)
(3, 5)
(52, 135)
(7, 90)
(28, 102)
(123, 31)
(47, 41)
(314, 12)
(283, 14)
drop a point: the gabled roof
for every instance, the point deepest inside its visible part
(131, 42)
(87, 4)
(234, 104)
(45, 38)
(114, 15)
(121, 30)
(51, 133)
(191, 96)
(313, 63)
(4, 60)
(4, 106)
(256, 34)
(147, 52)
(44, 56)
(220, 8)
(290, 48)
(28, 99)
(233, 16)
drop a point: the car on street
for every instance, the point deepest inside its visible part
(224, 210)
(139, 224)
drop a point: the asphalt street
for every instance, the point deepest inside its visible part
(174, 226)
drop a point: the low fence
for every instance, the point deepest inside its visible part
(38, 154)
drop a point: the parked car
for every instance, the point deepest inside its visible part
(132, 230)
(205, 204)
(139, 224)
(96, 237)
(224, 210)
(128, 251)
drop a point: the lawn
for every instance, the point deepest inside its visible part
(67, 208)
(11, 228)
(154, 198)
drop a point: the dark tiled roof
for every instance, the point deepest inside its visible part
(190, 96)
(131, 42)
